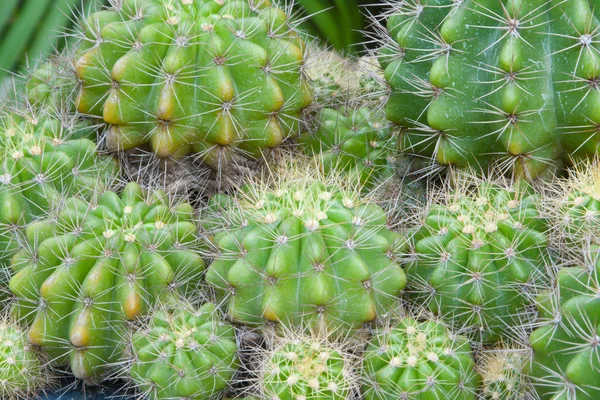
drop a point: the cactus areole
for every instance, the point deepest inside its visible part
(479, 81)
(193, 76)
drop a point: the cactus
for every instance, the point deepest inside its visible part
(573, 207)
(22, 373)
(92, 266)
(183, 353)
(412, 359)
(479, 256)
(565, 346)
(474, 82)
(501, 370)
(358, 141)
(302, 248)
(302, 367)
(43, 157)
(204, 76)
(52, 84)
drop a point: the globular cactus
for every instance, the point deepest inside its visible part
(203, 76)
(302, 248)
(296, 366)
(479, 257)
(418, 360)
(573, 206)
(92, 266)
(355, 140)
(22, 372)
(565, 362)
(43, 157)
(474, 82)
(501, 371)
(183, 353)
(52, 84)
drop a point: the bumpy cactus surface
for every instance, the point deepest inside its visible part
(198, 76)
(304, 249)
(501, 370)
(302, 367)
(565, 348)
(22, 375)
(479, 257)
(184, 354)
(44, 157)
(52, 84)
(474, 81)
(358, 141)
(95, 265)
(418, 360)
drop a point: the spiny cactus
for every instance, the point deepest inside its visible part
(203, 76)
(501, 370)
(43, 157)
(183, 353)
(52, 84)
(479, 256)
(22, 373)
(418, 360)
(477, 81)
(92, 266)
(573, 206)
(302, 367)
(358, 141)
(302, 248)
(565, 346)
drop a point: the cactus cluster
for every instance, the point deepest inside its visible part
(304, 250)
(479, 82)
(214, 77)
(95, 265)
(183, 353)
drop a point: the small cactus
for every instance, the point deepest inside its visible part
(501, 370)
(183, 353)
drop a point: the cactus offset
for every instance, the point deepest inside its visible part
(44, 157)
(183, 353)
(203, 76)
(94, 265)
(565, 346)
(501, 370)
(479, 257)
(304, 249)
(418, 360)
(478, 81)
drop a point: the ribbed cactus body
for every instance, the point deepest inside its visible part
(85, 272)
(22, 375)
(305, 252)
(479, 258)
(418, 360)
(479, 81)
(357, 141)
(184, 354)
(200, 76)
(43, 159)
(565, 362)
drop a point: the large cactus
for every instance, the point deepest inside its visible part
(95, 265)
(474, 81)
(199, 76)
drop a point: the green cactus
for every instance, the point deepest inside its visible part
(22, 373)
(92, 266)
(574, 206)
(501, 370)
(183, 353)
(302, 249)
(565, 362)
(479, 257)
(357, 141)
(303, 367)
(508, 81)
(52, 84)
(418, 360)
(193, 76)
(44, 157)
